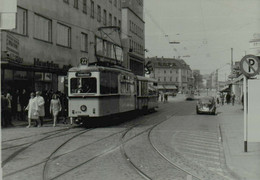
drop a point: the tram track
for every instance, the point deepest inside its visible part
(39, 134)
(48, 160)
(168, 160)
(14, 154)
(19, 145)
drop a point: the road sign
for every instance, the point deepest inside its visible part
(249, 65)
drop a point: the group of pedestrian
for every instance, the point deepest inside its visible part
(164, 97)
(14, 107)
(36, 109)
(228, 98)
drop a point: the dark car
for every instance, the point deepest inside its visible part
(206, 105)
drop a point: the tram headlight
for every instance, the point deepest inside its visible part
(83, 108)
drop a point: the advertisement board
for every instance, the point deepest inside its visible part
(253, 110)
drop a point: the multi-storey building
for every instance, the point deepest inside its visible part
(172, 74)
(133, 35)
(254, 45)
(51, 36)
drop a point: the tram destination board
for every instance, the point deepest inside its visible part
(249, 65)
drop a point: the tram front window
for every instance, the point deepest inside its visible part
(83, 85)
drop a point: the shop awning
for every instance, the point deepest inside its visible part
(225, 89)
(170, 87)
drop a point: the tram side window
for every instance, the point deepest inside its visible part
(108, 83)
(83, 85)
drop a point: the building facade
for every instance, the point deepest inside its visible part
(133, 35)
(172, 74)
(51, 36)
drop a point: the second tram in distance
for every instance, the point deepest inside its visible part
(100, 92)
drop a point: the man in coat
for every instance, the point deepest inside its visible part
(40, 103)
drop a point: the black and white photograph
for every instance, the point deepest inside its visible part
(130, 89)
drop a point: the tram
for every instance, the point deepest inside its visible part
(98, 91)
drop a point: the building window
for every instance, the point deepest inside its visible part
(84, 42)
(66, 1)
(92, 10)
(159, 79)
(115, 3)
(164, 71)
(63, 35)
(110, 20)
(84, 6)
(98, 13)
(76, 4)
(115, 21)
(21, 21)
(105, 17)
(170, 78)
(42, 28)
(110, 1)
(164, 79)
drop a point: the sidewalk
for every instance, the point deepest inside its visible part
(246, 165)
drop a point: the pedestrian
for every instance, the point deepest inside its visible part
(9, 110)
(161, 97)
(33, 111)
(228, 98)
(242, 100)
(55, 108)
(233, 97)
(222, 99)
(4, 106)
(24, 99)
(40, 103)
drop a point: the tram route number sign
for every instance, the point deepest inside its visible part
(249, 65)
(83, 61)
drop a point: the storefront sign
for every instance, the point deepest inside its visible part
(38, 76)
(46, 64)
(20, 75)
(11, 52)
(47, 76)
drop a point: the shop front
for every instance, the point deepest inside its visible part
(29, 77)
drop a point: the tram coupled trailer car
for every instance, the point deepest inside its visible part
(104, 92)
(147, 94)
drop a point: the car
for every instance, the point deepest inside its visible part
(206, 105)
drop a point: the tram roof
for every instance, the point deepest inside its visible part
(99, 68)
(143, 78)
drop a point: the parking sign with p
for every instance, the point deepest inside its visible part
(249, 65)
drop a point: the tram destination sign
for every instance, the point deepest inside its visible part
(249, 65)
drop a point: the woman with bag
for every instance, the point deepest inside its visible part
(55, 108)
(33, 111)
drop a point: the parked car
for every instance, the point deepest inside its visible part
(206, 105)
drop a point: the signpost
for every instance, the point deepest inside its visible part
(249, 66)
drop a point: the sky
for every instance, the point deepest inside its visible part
(206, 30)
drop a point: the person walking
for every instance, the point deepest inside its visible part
(55, 108)
(33, 111)
(228, 98)
(40, 103)
(9, 110)
(4, 105)
(24, 99)
(233, 97)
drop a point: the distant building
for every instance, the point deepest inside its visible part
(172, 74)
(133, 35)
(254, 45)
(51, 36)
